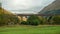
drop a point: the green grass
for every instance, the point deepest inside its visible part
(30, 30)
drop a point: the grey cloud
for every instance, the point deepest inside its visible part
(28, 6)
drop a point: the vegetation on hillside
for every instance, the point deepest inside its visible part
(7, 17)
(56, 19)
(53, 20)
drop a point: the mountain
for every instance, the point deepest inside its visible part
(52, 8)
(53, 12)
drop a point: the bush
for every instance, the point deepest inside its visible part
(34, 22)
(24, 23)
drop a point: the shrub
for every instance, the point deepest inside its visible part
(34, 22)
(24, 23)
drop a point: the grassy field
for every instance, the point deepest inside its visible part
(42, 29)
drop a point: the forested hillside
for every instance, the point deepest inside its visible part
(7, 17)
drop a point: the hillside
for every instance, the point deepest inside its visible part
(53, 12)
(4, 11)
(7, 17)
(52, 8)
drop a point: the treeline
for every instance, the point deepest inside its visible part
(6, 19)
(42, 20)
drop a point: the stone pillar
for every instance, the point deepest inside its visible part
(24, 18)
(0, 4)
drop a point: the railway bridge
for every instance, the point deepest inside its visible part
(24, 17)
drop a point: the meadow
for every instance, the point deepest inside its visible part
(23, 29)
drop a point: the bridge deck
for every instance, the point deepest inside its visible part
(35, 14)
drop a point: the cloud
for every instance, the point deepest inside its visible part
(28, 5)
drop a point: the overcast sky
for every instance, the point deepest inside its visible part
(25, 6)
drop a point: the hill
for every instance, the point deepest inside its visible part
(7, 17)
(52, 8)
(4, 11)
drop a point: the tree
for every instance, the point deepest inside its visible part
(56, 19)
(34, 20)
